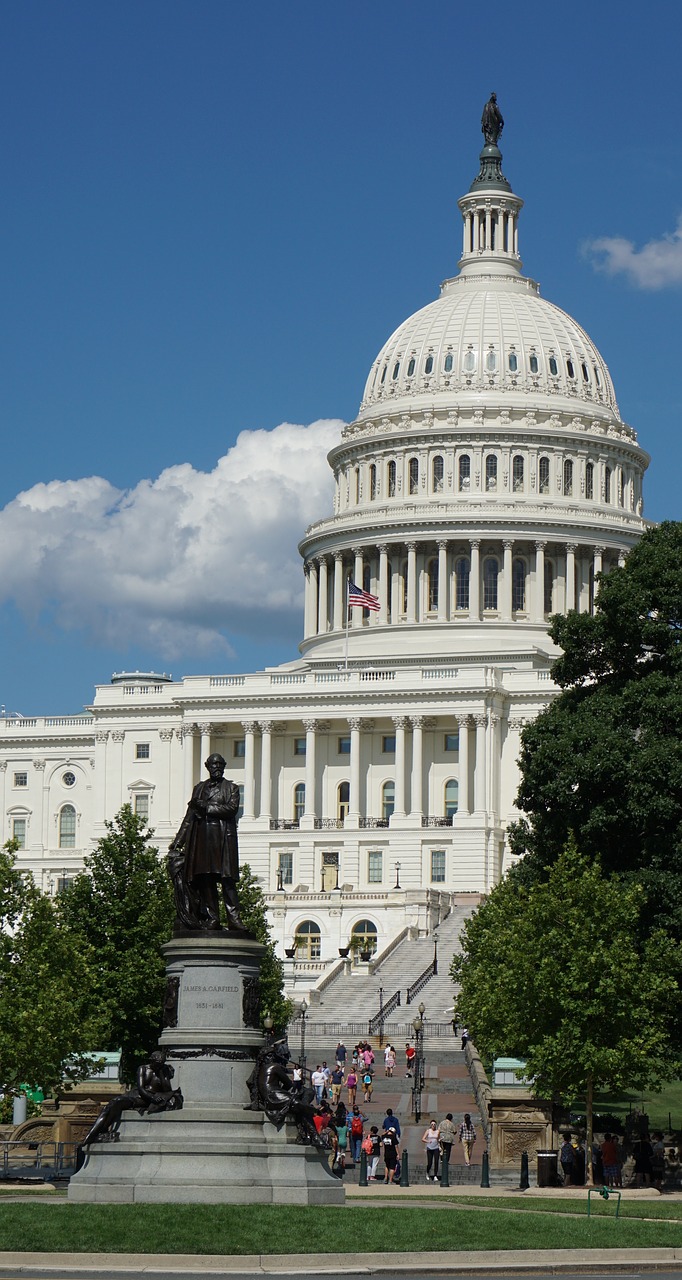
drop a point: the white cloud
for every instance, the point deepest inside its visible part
(180, 562)
(657, 265)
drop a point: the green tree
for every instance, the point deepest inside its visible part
(551, 972)
(253, 912)
(122, 908)
(605, 760)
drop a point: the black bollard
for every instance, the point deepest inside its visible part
(445, 1172)
(524, 1183)
(363, 1169)
(485, 1170)
(404, 1170)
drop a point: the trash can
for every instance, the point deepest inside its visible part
(548, 1168)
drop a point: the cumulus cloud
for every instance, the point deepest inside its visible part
(657, 265)
(179, 562)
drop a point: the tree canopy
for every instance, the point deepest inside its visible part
(253, 912)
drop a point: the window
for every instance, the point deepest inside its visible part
(543, 475)
(491, 571)
(464, 472)
(372, 482)
(396, 370)
(586, 376)
(299, 801)
(383, 375)
(437, 474)
(414, 475)
(344, 746)
(410, 367)
(491, 361)
(356, 485)
(308, 941)
(533, 364)
(469, 361)
(568, 478)
(517, 474)
(621, 490)
(330, 872)
(285, 865)
(438, 866)
(141, 805)
(299, 746)
(69, 778)
(432, 574)
(366, 933)
(462, 583)
(239, 748)
(428, 367)
(388, 744)
(518, 586)
(513, 362)
(448, 363)
(240, 810)
(589, 480)
(549, 586)
(491, 472)
(342, 800)
(67, 827)
(451, 797)
(596, 375)
(63, 884)
(21, 779)
(19, 831)
(607, 484)
(569, 369)
(375, 870)
(142, 751)
(553, 366)
(391, 479)
(387, 800)
(451, 742)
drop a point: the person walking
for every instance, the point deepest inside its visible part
(372, 1145)
(447, 1136)
(467, 1137)
(336, 1083)
(357, 1124)
(367, 1083)
(567, 1159)
(410, 1055)
(391, 1121)
(352, 1086)
(318, 1081)
(431, 1139)
(341, 1055)
(389, 1143)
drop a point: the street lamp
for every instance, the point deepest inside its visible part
(381, 1017)
(397, 876)
(418, 1025)
(302, 1010)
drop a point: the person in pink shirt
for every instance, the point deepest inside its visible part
(352, 1086)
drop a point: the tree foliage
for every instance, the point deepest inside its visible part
(254, 915)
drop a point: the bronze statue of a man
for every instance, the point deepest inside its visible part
(203, 857)
(492, 123)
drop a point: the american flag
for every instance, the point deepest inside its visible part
(356, 596)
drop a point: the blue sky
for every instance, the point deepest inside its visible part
(212, 217)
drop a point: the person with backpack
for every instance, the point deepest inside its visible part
(467, 1137)
(371, 1145)
(357, 1124)
(567, 1159)
(368, 1083)
(389, 1142)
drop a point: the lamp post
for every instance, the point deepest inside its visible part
(397, 876)
(417, 1086)
(381, 1017)
(302, 1009)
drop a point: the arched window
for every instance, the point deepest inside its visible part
(451, 798)
(518, 586)
(607, 484)
(513, 362)
(553, 366)
(543, 475)
(372, 482)
(366, 933)
(549, 587)
(621, 490)
(568, 478)
(491, 569)
(596, 375)
(462, 583)
(569, 369)
(589, 480)
(491, 472)
(410, 367)
(387, 800)
(533, 364)
(414, 475)
(383, 375)
(585, 373)
(356, 487)
(396, 370)
(308, 939)
(491, 361)
(469, 361)
(428, 367)
(432, 571)
(402, 588)
(437, 474)
(342, 800)
(391, 479)
(67, 827)
(464, 472)
(517, 474)
(299, 801)
(448, 363)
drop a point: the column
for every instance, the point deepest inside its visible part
(306, 600)
(597, 567)
(539, 583)
(463, 794)
(475, 582)
(443, 580)
(339, 621)
(488, 217)
(322, 605)
(354, 798)
(205, 730)
(411, 582)
(494, 763)
(310, 742)
(358, 579)
(163, 806)
(416, 802)
(4, 833)
(266, 769)
(481, 722)
(507, 581)
(570, 575)
(188, 735)
(249, 727)
(622, 557)
(37, 832)
(383, 584)
(101, 811)
(400, 722)
(313, 601)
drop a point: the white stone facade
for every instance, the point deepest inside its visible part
(486, 481)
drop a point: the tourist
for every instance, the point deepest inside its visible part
(567, 1159)
(391, 1121)
(341, 1126)
(357, 1125)
(431, 1139)
(643, 1153)
(609, 1159)
(389, 1143)
(317, 1080)
(467, 1137)
(465, 1038)
(447, 1136)
(389, 1060)
(352, 1086)
(336, 1083)
(410, 1055)
(341, 1055)
(658, 1160)
(367, 1083)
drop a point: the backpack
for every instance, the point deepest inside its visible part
(367, 1146)
(356, 1126)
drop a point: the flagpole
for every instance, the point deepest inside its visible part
(347, 612)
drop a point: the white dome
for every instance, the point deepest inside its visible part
(487, 335)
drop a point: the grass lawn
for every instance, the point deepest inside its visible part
(656, 1105)
(665, 1210)
(243, 1229)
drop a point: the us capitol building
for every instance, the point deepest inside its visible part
(486, 480)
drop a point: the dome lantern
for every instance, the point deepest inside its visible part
(490, 209)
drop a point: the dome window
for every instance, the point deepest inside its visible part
(621, 490)
(513, 362)
(391, 479)
(410, 367)
(491, 361)
(428, 367)
(568, 478)
(464, 472)
(585, 372)
(491, 472)
(383, 374)
(607, 484)
(396, 370)
(448, 363)
(491, 569)
(469, 361)
(589, 481)
(570, 369)
(462, 583)
(596, 375)
(518, 586)
(543, 475)
(549, 586)
(533, 364)
(517, 474)
(437, 468)
(433, 585)
(372, 482)
(414, 475)
(553, 366)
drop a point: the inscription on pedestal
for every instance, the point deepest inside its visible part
(205, 1001)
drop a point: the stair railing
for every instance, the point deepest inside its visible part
(377, 1021)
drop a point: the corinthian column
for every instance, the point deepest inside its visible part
(463, 789)
(480, 769)
(322, 605)
(475, 581)
(383, 583)
(443, 580)
(354, 798)
(265, 768)
(358, 578)
(400, 722)
(411, 582)
(416, 801)
(339, 621)
(310, 811)
(539, 583)
(249, 727)
(188, 734)
(507, 581)
(570, 575)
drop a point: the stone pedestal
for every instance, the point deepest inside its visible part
(213, 1151)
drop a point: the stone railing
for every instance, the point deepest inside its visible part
(481, 1086)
